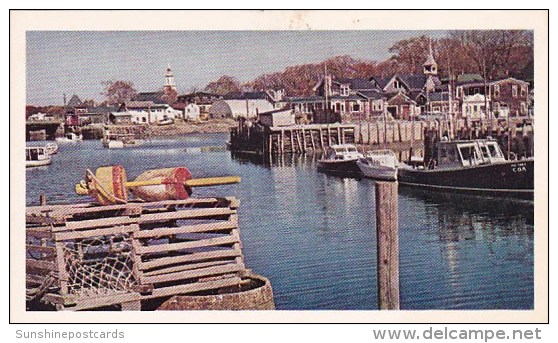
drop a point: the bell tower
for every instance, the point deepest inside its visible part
(430, 67)
(169, 79)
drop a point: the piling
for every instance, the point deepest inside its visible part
(387, 245)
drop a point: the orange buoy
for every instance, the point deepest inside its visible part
(171, 184)
(109, 185)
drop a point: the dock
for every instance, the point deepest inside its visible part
(273, 140)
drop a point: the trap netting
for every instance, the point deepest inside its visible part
(100, 265)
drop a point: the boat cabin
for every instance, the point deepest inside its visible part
(35, 153)
(458, 154)
(342, 152)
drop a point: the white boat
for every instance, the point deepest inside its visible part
(69, 137)
(379, 164)
(340, 159)
(36, 157)
(117, 141)
(51, 148)
(165, 121)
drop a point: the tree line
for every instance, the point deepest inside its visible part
(493, 54)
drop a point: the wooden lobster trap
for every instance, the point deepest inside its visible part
(130, 256)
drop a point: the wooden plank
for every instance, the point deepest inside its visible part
(96, 223)
(40, 249)
(190, 266)
(209, 227)
(63, 276)
(114, 230)
(193, 287)
(387, 245)
(192, 274)
(200, 256)
(39, 264)
(145, 218)
(34, 233)
(185, 214)
(101, 301)
(186, 245)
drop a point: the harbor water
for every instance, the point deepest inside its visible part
(313, 235)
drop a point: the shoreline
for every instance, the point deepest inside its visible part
(182, 128)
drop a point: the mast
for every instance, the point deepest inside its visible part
(326, 93)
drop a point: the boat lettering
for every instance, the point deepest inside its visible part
(519, 167)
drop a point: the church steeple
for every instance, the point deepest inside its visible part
(169, 79)
(430, 67)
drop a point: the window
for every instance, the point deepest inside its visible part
(459, 92)
(396, 84)
(356, 107)
(523, 108)
(514, 91)
(344, 90)
(496, 91)
(523, 91)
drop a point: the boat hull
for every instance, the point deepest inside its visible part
(508, 179)
(340, 168)
(378, 172)
(38, 163)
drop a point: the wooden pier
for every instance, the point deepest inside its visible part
(131, 256)
(264, 140)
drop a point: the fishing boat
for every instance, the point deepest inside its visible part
(119, 140)
(340, 159)
(472, 166)
(36, 157)
(51, 148)
(70, 137)
(379, 165)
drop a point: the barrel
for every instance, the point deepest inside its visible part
(254, 293)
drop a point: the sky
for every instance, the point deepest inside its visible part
(77, 62)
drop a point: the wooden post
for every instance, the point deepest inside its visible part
(42, 199)
(387, 245)
(321, 139)
(282, 141)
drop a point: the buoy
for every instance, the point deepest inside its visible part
(109, 184)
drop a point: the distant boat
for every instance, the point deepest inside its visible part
(379, 165)
(165, 121)
(475, 167)
(36, 157)
(51, 148)
(70, 137)
(340, 159)
(117, 141)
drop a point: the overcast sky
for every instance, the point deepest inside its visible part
(76, 62)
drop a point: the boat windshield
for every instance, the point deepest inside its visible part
(470, 156)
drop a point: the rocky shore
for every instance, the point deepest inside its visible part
(181, 128)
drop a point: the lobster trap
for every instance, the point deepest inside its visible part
(129, 256)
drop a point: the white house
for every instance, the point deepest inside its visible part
(473, 106)
(148, 112)
(192, 112)
(248, 108)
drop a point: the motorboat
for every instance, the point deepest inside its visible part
(472, 166)
(51, 148)
(340, 159)
(70, 137)
(379, 165)
(117, 141)
(36, 157)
